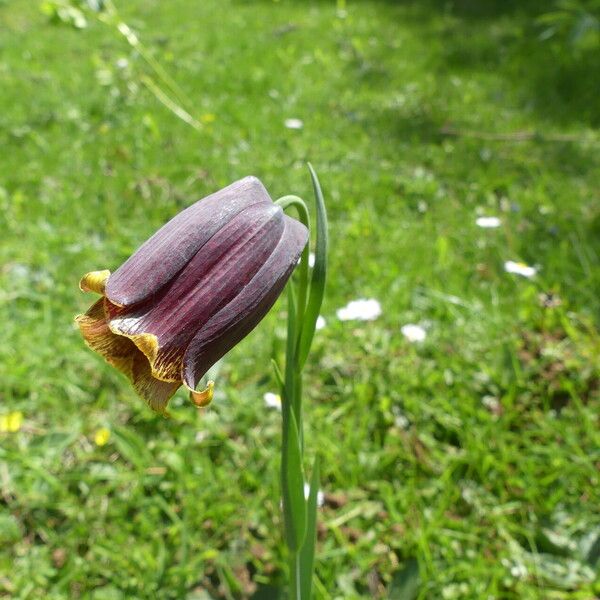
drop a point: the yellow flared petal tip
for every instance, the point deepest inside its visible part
(204, 397)
(95, 281)
(147, 343)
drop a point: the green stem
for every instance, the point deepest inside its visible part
(300, 515)
(295, 577)
(173, 98)
(290, 353)
(294, 372)
(300, 206)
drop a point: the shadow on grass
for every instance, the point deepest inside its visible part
(551, 77)
(477, 9)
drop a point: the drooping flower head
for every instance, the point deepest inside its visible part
(191, 292)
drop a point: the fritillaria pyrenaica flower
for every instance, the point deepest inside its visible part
(192, 291)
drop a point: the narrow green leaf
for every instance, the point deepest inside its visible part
(592, 556)
(290, 351)
(406, 582)
(278, 376)
(317, 282)
(307, 553)
(268, 592)
(294, 504)
(291, 397)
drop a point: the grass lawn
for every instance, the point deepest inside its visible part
(474, 454)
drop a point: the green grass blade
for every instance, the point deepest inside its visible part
(167, 101)
(307, 553)
(319, 273)
(294, 504)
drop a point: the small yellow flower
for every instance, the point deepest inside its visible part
(102, 436)
(11, 422)
(208, 118)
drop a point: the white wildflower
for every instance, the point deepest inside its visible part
(360, 310)
(413, 333)
(272, 400)
(519, 268)
(321, 322)
(488, 222)
(518, 571)
(493, 405)
(491, 402)
(401, 422)
(294, 123)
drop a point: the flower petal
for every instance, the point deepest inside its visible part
(155, 392)
(204, 397)
(162, 329)
(125, 356)
(116, 350)
(238, 318)
(167, 252)
(94, 281)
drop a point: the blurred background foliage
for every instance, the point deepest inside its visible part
(462, 466)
